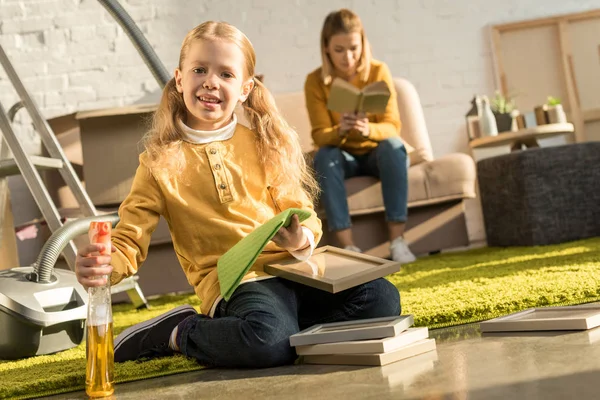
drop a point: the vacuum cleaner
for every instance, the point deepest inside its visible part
(43, 309)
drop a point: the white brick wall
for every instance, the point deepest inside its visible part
(72, 55)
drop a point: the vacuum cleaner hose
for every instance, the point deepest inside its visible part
(139, 41)
(43, 266)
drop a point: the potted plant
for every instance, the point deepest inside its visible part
(502, 107)
(554, 109)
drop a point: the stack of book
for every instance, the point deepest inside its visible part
(377, 341)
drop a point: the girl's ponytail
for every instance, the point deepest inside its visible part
(165, 135)
(278, 144)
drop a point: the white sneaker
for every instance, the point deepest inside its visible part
(400, 251)
(353, 248)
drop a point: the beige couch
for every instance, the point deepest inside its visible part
(437, 187)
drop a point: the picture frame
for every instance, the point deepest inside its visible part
(567, 318)
(380, 359)
(385, 345)
(333, 269)
(363, 329)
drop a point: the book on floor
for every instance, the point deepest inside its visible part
(347, 98)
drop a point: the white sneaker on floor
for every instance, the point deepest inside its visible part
(400, 251)
(353, 248)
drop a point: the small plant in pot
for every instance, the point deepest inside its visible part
(554, 109)
(502, 107)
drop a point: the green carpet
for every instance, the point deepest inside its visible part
(476, 285)
(65, 371)
(442, 290)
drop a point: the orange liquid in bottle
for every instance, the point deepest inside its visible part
(100, 368)
(100, 361)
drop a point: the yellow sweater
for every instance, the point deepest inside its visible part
(325, 123)
(220, 197)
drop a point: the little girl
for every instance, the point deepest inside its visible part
(215, 181)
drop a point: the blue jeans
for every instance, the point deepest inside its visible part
(388, 162)
(253, 328)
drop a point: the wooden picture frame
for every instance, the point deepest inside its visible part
(546, 319)
(385, 345)
(402, 353)
(362, 329)
(333, 269)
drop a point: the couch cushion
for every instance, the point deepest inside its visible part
(293, 108)
(414, 130)
(448, 178)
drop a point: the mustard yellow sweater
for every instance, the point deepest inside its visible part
(325, 123)
(220, 197)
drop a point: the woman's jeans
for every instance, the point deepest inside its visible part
(253, 328)
(388, 162)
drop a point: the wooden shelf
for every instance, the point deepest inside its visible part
(536, 132)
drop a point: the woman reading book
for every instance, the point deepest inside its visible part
(351, 141)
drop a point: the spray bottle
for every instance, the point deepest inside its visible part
(99, 377)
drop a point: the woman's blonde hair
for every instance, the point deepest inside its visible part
(278, 143)
(344, 21)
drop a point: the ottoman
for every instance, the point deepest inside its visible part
(541, 196)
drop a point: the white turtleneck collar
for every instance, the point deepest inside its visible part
(201, 137)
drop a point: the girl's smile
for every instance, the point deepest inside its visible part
(209, 102)
(211, 80)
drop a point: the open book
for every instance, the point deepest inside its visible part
(346, 98)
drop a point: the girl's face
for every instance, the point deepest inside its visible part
(344, 51)
(212, 82)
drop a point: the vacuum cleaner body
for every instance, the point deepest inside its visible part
(40, 318)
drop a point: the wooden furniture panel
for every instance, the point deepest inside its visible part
(536, 48)
(584, 37)
(558, 56)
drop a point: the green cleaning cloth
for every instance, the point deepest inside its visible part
(233, 265)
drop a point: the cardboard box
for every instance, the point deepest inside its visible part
(25, 210)
(66, 130)
(103, 147)
(111, 143)
(8, 243)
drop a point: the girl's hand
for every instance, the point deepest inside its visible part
(359, 122)
(291, 238)
(91, 270)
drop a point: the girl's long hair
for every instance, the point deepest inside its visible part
(344, 21)
(278, 144)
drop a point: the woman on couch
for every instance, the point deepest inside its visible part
(352, 144)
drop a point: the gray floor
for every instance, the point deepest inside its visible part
(465, 365)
